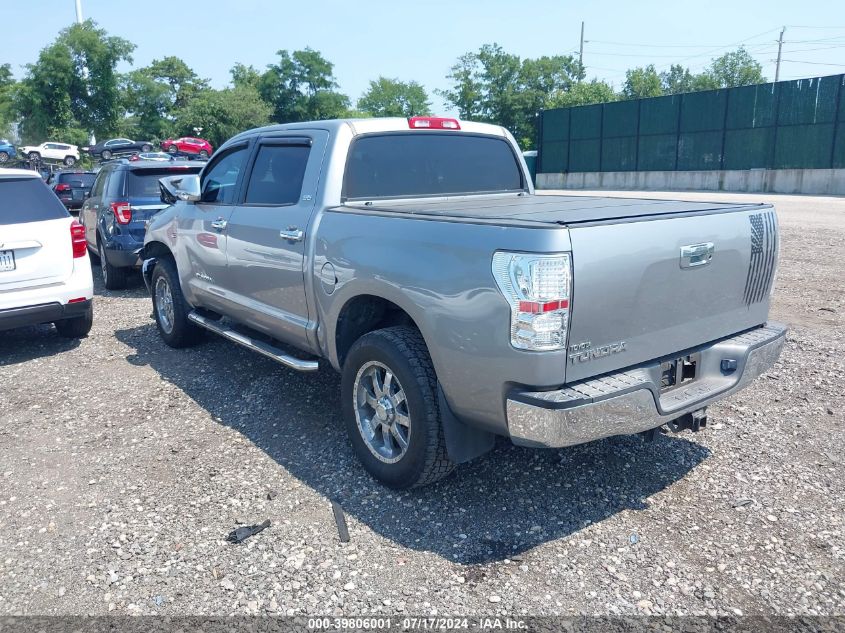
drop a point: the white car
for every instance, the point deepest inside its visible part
(62, 152)
(45, 273)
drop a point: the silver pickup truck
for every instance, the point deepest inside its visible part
(413, 256)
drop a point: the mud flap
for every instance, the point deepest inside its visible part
(463, 442)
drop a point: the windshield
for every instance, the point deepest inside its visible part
(143, 183)
(409, 164)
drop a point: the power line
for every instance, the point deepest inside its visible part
(801, 61)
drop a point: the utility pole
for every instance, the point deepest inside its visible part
(580, 49)
(780, 46)
(79, 11)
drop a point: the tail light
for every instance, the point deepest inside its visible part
(433, 123)
(77, 239)
(538, 289)
(62, 187)
(122, 212)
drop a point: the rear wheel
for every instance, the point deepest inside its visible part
(146, 148)
(114, 278)
(77, 327)
(4, 157)
(69, 161)
(106, 155)
(389, 392)
(203, 153)
(170, 308)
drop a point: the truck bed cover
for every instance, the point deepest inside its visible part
(564, 210)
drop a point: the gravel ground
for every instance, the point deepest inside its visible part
(125, 464)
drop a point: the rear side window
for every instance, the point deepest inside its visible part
(277, 175)
(28, 200)
(143, 183)
(429, 164)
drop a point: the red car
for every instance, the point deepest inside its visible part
(187, 145)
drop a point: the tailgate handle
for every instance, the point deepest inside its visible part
(694, 255)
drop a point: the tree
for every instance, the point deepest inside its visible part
(8, 87)
(677, 80)
(391, 97)
(222, 113)
(584, 93)
(737, 68)
(642, 82)
(154, 93)
(73, 87)
(245, 76)
(497, 87)
(300, 87)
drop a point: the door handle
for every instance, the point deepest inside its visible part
(293, 234)
(694, 255)
(219, 225)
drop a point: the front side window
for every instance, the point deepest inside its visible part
(220, 181)
(277, 175)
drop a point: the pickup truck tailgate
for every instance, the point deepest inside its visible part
(650, 286)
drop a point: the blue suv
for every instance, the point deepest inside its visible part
(7, 151)
(123, 197)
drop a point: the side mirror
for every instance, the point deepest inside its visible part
(86, 195)
(175, 188)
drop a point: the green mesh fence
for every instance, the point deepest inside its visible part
(786, 125)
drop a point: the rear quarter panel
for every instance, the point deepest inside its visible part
(440, 273)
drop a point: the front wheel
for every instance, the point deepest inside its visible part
(203, 154)
(389, 395)
(170, 307)
(34, 156)
(172, 149)
(146, 148)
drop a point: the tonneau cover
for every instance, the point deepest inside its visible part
(567, 210)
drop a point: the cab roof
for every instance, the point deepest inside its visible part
(7, 172)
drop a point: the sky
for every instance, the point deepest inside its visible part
(421, 40)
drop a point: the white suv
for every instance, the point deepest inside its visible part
(45, 273)
(62, 152)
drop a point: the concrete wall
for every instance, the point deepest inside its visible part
(809, 181)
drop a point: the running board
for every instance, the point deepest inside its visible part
(258, 346)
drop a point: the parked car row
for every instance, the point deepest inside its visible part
(69, 155)
(186, 145)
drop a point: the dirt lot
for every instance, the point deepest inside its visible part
(125, 464)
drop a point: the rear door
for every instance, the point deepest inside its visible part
(35, 245)
(267, 234)
(91, 207)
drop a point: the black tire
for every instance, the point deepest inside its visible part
(34, 156)
(4, 157)
(146, 148)
(402, 350)
(114, 278)
(77, 327)
(182, 332)
(70, 161)
(106, 155)
(203, 154)
(172, 149)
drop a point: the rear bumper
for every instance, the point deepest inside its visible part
(42, 313)
(629, 402)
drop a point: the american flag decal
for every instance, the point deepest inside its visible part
(764, 249)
